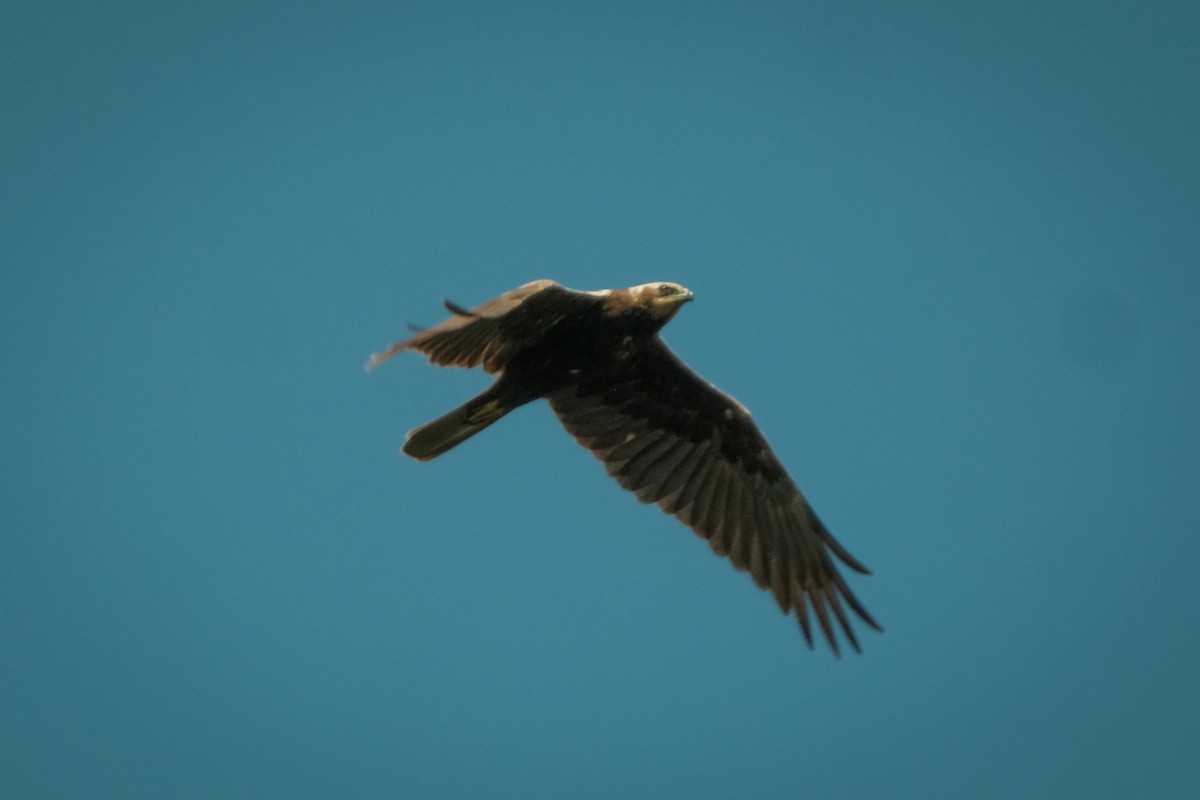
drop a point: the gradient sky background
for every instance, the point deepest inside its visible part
(948, 254)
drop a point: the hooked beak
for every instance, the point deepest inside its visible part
(680, 299)
(667, 307)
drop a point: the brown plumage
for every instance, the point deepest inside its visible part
(662, 431)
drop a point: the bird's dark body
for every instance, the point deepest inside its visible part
(662, 431)
(619, 359)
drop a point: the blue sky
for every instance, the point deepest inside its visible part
(948, 255)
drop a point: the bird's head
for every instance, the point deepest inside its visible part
(662, 300)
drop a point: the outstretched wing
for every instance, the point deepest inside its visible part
(674, 439)
(487, 333)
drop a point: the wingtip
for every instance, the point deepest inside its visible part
(378, 358)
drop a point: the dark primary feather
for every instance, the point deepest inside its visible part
(674, 439)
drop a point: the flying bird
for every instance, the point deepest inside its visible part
(662, 431)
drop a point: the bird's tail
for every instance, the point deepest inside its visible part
(434, 438)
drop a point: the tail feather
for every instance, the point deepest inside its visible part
(434, 438)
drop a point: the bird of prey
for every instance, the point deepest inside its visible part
(662, 431)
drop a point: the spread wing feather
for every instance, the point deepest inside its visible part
(489, 333)
(674, 439)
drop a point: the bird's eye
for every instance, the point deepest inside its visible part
(666, 289)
